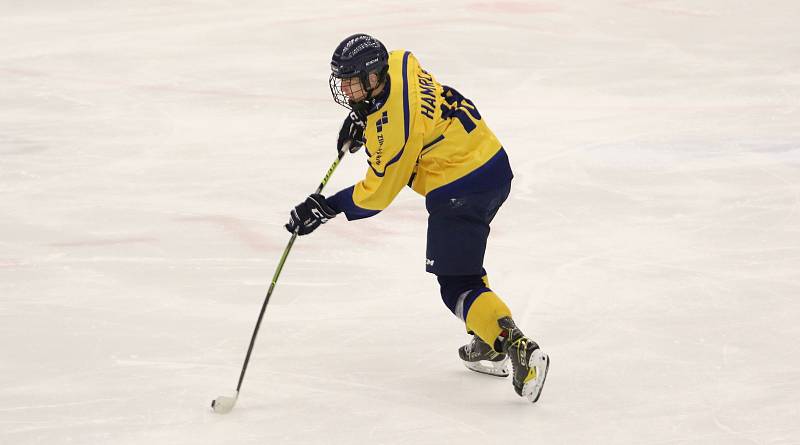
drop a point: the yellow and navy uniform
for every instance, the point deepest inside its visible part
(427, 136)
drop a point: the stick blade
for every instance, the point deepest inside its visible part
(223, 404)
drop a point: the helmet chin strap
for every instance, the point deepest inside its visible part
(364, 77)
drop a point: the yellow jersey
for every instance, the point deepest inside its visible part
(427, 136)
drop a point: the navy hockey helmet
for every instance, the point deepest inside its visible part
(357, 56)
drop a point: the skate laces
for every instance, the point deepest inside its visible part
(519, 350)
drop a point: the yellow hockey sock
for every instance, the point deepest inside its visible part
(483, 315)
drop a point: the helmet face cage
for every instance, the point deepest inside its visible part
(338, 95)
(356, 88)
(361, 84)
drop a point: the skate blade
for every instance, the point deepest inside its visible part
(541, 363)
(497, 369)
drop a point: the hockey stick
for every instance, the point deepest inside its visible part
(224, 404)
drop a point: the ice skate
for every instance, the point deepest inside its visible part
(480, 357)
(529, 362)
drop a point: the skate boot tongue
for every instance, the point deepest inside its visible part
(509, 335)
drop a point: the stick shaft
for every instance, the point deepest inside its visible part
(278, 273)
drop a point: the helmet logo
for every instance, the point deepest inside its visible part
(367, 44)
(352, 41)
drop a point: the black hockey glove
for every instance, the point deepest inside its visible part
(352, 131)
(309, 214)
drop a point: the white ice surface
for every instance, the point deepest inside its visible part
(150, 152)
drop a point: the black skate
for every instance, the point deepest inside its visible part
(529, 362)
(480, 357)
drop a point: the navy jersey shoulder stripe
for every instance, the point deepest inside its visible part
(406, 119)
(405, 93)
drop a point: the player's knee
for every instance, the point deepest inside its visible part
(459, 291)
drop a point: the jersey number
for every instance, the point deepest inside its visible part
(462, 110)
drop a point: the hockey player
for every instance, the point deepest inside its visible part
(428, 136)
